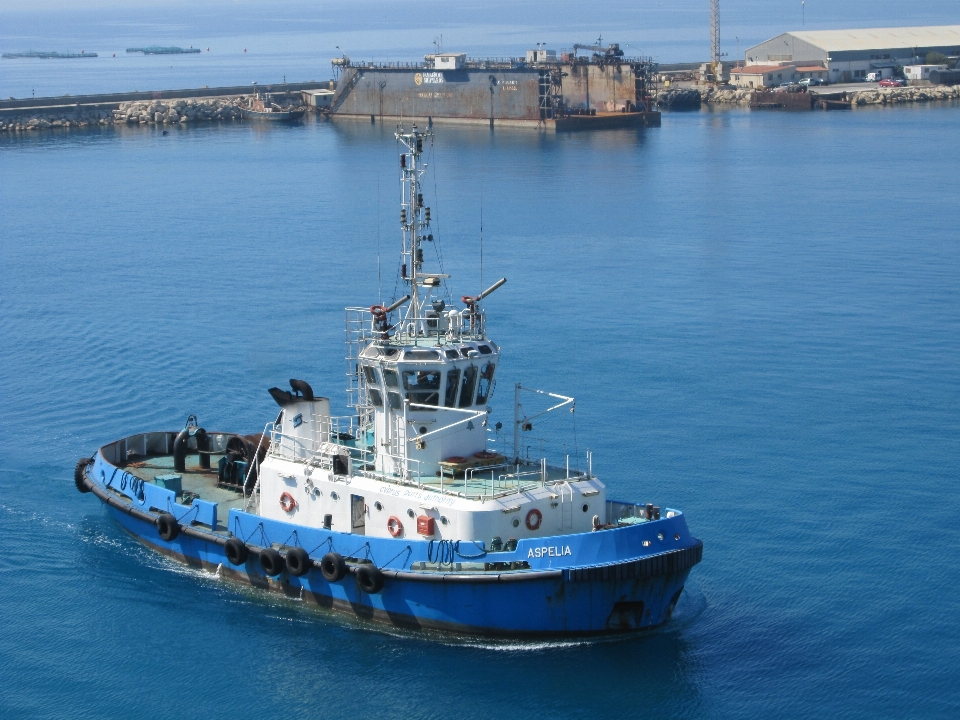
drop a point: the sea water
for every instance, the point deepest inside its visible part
(758, 313)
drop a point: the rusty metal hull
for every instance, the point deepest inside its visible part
(498, 96)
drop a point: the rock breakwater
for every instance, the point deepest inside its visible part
(692, 98)
(155, 112)
(902, 95)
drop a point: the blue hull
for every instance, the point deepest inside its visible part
(609, 581)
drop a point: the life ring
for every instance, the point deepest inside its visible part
(534, 518)
(378, 311)
(468, 300)
(455, 459)
(394, 526)
(287, 502)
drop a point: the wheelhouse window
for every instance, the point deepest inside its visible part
(394, 399)
(466, 389)
(453, 384)
(423, 386)
(486, 383)
(371, 374)
(391, 378)
(376, 397)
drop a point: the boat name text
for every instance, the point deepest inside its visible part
(549, 551)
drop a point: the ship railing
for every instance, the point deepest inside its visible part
(330, 431)
(363, 327)
(389, 65)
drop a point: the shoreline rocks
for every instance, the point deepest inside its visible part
(903, 95)
(692, 98)
(152, 112)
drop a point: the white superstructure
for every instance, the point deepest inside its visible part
(414, 460)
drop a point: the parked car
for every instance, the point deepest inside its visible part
(813, 82)
(892, 82)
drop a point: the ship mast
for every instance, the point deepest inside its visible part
(414, 219)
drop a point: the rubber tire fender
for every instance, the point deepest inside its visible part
(298, 562)
(236, 551)
(332, 567)
(369, 579)
(168, 527)
(271, 562)
(79, 473)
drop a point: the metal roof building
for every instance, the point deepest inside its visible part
(849, 54)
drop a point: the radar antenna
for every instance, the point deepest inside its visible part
(414, 219)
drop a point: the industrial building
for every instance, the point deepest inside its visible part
(851, 54)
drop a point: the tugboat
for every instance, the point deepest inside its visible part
(406, 512)
(257, 109)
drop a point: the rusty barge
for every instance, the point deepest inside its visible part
(599, 89)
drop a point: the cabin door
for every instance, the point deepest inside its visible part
(358, 515)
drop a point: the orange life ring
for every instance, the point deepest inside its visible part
(539, 519)
(394, 526)
(378, 311)
(287, 502)
(468, 300)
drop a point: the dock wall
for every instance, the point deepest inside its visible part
(146, 112)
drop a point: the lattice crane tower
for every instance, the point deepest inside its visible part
(715, 40)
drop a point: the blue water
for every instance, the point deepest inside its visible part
(265, 42)
(759, 313)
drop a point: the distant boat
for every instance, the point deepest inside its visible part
(156, 50)
(259, 110)
(47, 55)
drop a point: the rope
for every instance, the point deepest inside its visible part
(328, 541)
(449, 550)
(408, 550)
(445, 552)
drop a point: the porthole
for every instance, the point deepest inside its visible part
(677, 536)
(378, 505)
(516, 522)
(443, 520)
(585, 507)
(411, 513)
(423, 429)
(646, 543)
(660, 536)
(334, 495)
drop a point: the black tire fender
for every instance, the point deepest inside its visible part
(369, 579)
(332, 567)
(298, 562)
(271, 562)
(168, 527)
(236, 551)
(79, 473)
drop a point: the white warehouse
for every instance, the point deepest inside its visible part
(851, 54)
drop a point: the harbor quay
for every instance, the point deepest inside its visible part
(211, 105)
(166, 107)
